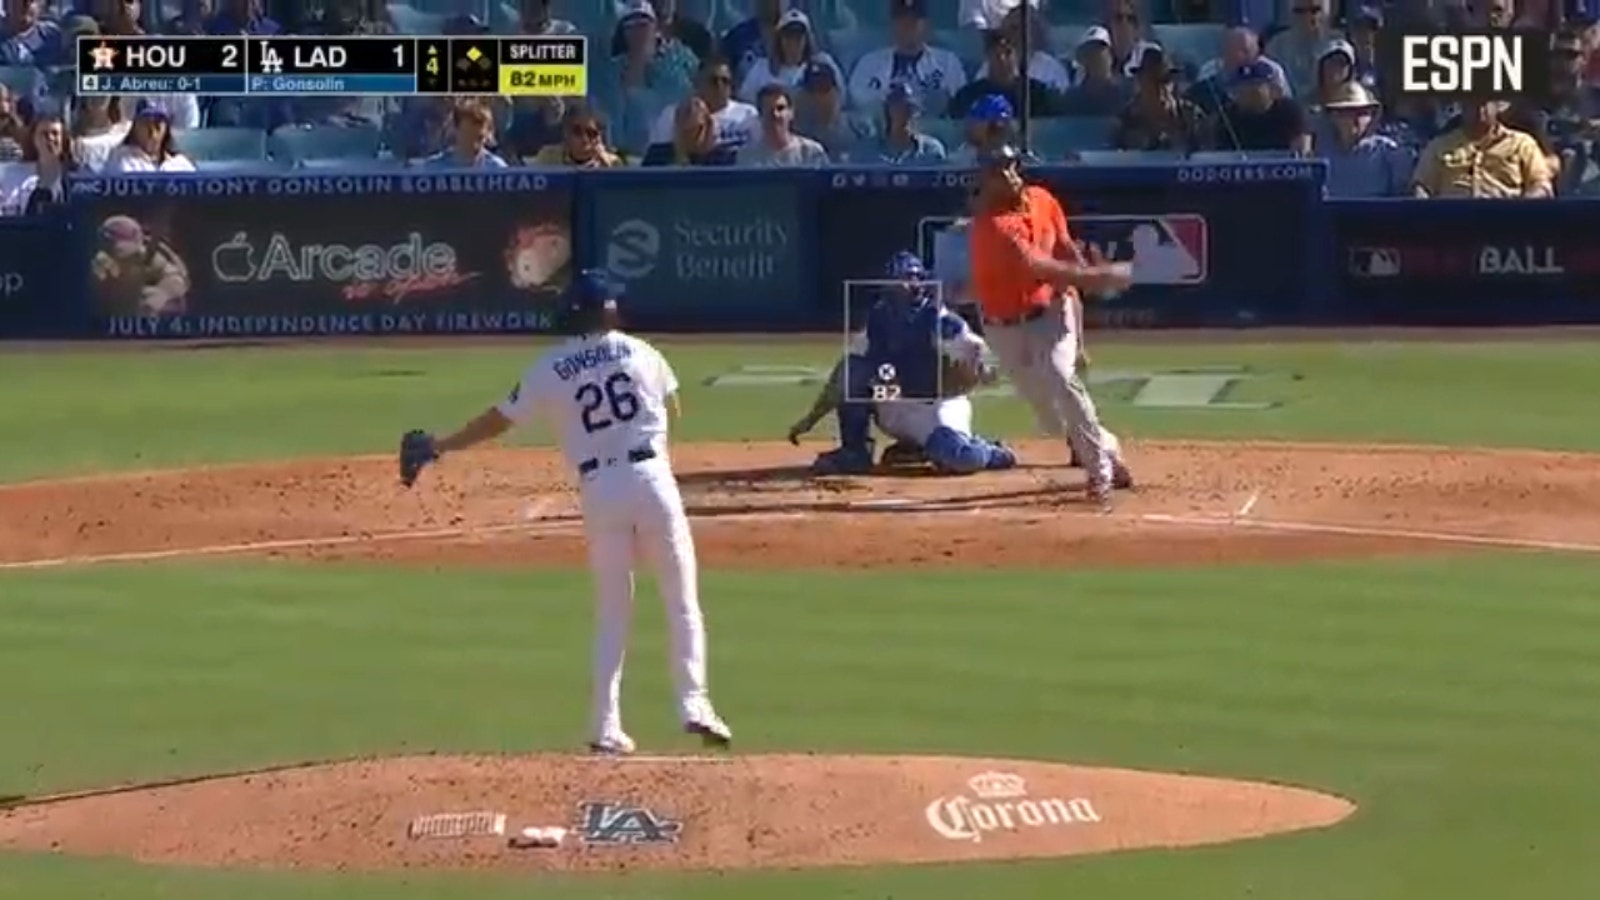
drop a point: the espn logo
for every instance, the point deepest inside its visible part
(1480, 65)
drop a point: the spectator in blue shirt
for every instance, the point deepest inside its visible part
(748, 41)
(474, 126)
(242, 17)
(27, 38)
(819, 112)
(900, 142)
(653, 73)
(1361, 161)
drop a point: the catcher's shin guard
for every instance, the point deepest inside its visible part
(956, 453)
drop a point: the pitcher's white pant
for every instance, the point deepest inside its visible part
(914, 420)
(629, 508)
(1041, 359)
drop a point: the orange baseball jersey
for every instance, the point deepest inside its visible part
(1001, 283)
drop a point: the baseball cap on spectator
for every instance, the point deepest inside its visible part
(819, 74)
(1368, 17)
(1152, 59)
(1096, 34)
(1253, 72)
(991, 108)
(637, 11)
(149, 110)
(794, 20)
(1147, 53)
(1338, 45)
(918, 8)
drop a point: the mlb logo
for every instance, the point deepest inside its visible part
(1170, 250)
(1374, 262)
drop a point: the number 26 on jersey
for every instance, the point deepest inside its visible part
(603, 403)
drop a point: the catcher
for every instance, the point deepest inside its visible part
(910, 369)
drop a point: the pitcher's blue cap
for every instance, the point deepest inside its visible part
(592, 289)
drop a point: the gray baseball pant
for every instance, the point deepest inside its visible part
(1040, 356)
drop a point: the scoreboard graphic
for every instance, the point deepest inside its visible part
(351, 66)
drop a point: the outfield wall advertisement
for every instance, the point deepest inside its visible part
(706, 250)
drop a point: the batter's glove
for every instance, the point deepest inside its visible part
(416, 451)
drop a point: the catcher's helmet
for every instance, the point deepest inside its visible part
(908, 270)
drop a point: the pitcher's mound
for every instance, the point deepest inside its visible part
(661, 813)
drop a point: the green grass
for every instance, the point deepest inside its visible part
(1454, 700)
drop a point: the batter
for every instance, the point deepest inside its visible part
(607, 393)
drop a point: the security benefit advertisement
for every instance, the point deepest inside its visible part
(701, 253)
(1469, 262)
(216, 257)
(1200, 252)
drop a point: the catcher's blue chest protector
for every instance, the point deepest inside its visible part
(906, 336)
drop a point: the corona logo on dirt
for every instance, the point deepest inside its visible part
(1002, 803)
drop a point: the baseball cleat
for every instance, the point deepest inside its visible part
(843, 461)
(1100, 495)
(712, 730)
(1121, 478)
(612, 745)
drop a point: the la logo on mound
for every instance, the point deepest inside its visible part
(634, 247)
(1002, 803)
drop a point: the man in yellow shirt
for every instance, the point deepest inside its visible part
(1482, 157)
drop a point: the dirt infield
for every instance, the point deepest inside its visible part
(753, 506)
(663, 813)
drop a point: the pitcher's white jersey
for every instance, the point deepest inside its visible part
(606, 394)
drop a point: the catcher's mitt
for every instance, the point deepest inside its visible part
(960, 379)
(416, 451)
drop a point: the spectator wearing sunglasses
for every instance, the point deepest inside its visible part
(583, 144)
(1099, 91)
(1299, 48)
(734, 122)
(473, 128)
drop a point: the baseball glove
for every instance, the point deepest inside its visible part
(960, 379)
(416, 451)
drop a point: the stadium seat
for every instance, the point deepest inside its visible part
(1064, 39)
(948, 133)
(240, 166)
(1053, 138)
(1194, 44)
(294, 143)
(222, 144)
(410, 20)
(966, 42)
(849, 45)
(22, 81)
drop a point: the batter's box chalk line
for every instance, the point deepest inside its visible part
(458, 825)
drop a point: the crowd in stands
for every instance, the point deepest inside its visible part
(863, 82)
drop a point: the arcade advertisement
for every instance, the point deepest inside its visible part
(291, 259)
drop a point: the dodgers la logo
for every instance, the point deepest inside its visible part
(614, 824)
